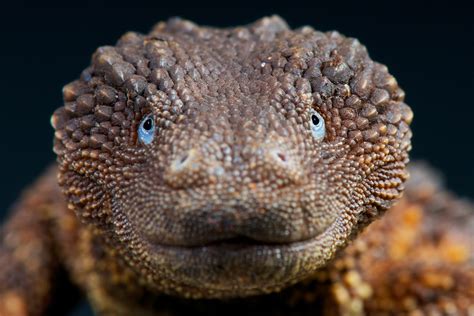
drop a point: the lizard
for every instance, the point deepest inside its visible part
(235, 170)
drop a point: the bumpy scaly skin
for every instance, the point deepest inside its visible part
(234, 155)
(234, 197)
(418, 260)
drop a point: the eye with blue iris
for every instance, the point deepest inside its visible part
(318, 128)
(146, 129)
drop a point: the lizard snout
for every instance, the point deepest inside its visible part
(270, 161)
(273, 161)
(193, 168)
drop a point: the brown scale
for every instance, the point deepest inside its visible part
(234, 206)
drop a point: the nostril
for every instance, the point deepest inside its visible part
(285, 165)
(279, 156)
(183, 159)
(193, 168)
(282, 156)
(181, 162)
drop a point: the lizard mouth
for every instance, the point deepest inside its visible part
(238, 242)
(241, 265)
(232, 246)
(241, 260)
(239, 251)
(234, 228)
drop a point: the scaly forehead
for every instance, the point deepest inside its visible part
(250, 78)
(258, 75)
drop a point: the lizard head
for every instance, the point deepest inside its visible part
(231, 162)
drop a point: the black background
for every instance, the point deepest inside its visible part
(427, 47)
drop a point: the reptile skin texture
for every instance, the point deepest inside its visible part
(234, 207)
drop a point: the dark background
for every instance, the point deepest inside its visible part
(428, 48)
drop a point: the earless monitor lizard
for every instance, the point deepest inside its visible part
(232, 171)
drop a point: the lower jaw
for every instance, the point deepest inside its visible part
(228, 270)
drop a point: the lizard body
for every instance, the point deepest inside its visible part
(202, 168)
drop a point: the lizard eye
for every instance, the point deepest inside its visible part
(318, 128)
(146, 130)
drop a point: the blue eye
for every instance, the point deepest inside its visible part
(146, 130)
(318, 128)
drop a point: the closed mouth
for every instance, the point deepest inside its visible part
(233, 246)
(241, 262)
(235, 243)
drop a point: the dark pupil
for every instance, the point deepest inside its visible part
(315, 119)
(148, 124)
